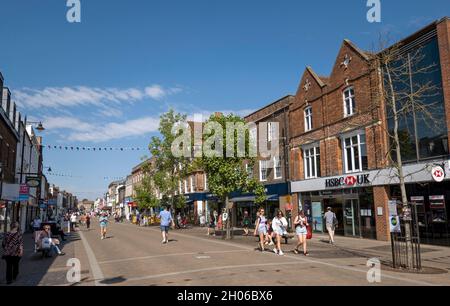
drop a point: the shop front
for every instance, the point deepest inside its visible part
(432, 202)
(361, 202)
(276, 197)
(354, 209)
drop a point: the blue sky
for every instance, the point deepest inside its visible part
(105, 81)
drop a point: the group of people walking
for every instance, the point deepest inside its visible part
(270, 232)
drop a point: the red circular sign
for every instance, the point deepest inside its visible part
(350, 180)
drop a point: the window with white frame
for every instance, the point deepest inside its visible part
(355, 153)
(277, 168)
(311, 158)
(186, 186)
(349, 102)
(308, 119)
(206, 182)
(263, 169)
(249, 170)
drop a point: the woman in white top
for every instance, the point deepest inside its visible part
(279, 225)
(301, 224)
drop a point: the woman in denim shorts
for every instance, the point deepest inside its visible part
(261, 228)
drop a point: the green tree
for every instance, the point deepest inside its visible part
(145, 194)
(169, 169)
(226, 172)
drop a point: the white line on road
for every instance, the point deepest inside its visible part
(167, 255)
(97, 273)
(385, 275)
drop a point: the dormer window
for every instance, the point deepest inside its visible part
(349, 102)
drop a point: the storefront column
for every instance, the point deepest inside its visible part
(381, 199)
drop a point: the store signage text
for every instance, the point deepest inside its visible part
(348, 181)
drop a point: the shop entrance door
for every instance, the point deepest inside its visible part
(351, 218)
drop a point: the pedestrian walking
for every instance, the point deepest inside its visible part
(246, 222)
(13, 252)
(88, 222)
(279, 224)
(261, 229)
(103, 225)
(166, 221)
(73, 221)
(301, 229)
(36, 224)
(331, 223)
(211, 225)
(202, 220)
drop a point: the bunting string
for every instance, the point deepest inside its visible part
(93, 149)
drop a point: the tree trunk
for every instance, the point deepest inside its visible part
(401, 176)
(228, 237)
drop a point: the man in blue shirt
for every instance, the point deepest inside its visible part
(166, 221)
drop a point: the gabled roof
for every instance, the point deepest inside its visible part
(363, 54)
(316, 77)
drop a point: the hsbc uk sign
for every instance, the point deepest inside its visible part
(348, 181)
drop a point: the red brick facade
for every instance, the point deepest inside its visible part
(324, 95)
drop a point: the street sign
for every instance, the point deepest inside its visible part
(24, 192)
(438, 174)
(33, 181)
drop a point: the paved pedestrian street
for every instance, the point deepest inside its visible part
(135, 256)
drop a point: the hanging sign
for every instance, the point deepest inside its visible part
(394, 223)
(438, 174)
(33, 181)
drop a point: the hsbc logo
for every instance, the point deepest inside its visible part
(438, 174)
(348, 181)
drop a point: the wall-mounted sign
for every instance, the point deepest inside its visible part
(438, 174)
(33, 181)
(394, 223)
(348, 181)
(24, 192)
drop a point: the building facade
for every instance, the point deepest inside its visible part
(273, 172)
(340, 144)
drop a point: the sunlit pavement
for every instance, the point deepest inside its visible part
(133, 255)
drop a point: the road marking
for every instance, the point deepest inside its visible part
(97, 273)
(211, 269)
(385, 275)
(166, 255)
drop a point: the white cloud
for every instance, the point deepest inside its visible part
(63, 97)
(114, 130)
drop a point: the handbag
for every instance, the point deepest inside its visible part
(309, 232)
(335, 220)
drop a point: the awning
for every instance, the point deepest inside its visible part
(273, 197)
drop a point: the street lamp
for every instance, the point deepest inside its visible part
(39, 127)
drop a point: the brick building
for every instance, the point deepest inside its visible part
(339, 142)
(272, 172)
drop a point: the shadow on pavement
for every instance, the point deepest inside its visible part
(33, 266)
